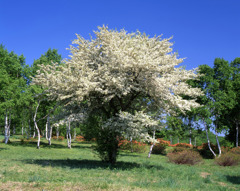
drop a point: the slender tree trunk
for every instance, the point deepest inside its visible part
(150, 151)
(36, 126)
(131, 143)
(190, 132)
(75, 134)
(57, 132)
(237, 132)
(46, 130)
(14, 130)
(178, 140)
(195, 141)
(69, 140)
(49, 130)
(22, 128)
(29, 129)
(209, 145)
(218, 144)
(6, 128)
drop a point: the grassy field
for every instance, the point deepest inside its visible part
(23, 167)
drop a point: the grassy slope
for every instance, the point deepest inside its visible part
(23, 167)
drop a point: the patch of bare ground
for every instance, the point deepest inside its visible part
(205, 174)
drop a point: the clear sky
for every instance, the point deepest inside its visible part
(202, 29)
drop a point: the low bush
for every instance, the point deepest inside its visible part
(227, 159)
(185, 157)
(185, 145)
(79, 138)
(60, 138)
(160, 147)
(205, 151)
(235, 150)
(133, 146)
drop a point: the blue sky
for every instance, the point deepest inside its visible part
(202, 29)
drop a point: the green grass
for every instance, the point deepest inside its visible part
(55, 167)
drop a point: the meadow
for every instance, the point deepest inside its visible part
(55, 167)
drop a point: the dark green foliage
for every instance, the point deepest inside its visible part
(185, 157)
(159, 148)
(205, 151)
(107, 147)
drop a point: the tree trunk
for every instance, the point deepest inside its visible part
(57, 132)
(29, 129)
(69, 140)
(14, 130)
(49, 130)
(237, 132)
(209, 145)
(75, 134)
(178, 140)
(218, 144)
(131, 143)
(190, 132)
(150, 151)
(36, 126)
(6, 128)
(22, 128)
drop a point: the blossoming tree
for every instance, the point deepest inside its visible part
(120, 74)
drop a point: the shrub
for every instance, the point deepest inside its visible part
(235, 150)
(60, 138)
(79, 138)
(159, 148)
(227, 159)
(185, 157)
(185, 145)
(205, 151)
(135, 146)
(225, 149)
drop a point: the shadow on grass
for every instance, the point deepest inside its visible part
(233, 179)
(90, 164)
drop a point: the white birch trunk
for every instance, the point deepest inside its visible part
(6, 129)
(75, 133)
(49, 130)
(190, 132)
(36, 126)
(69, 140)
(131, 145)
(218, 144)
(209, 145)
(150, 151)
(57, 132)
(29, 129)
(237, 132)
(22, 128)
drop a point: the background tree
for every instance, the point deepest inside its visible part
(12, 84)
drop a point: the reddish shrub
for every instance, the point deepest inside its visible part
(135, 146)
(185, 157)
(227, 159)
(60, 138)
(235, 150)
(79, 138)
(185, 145)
